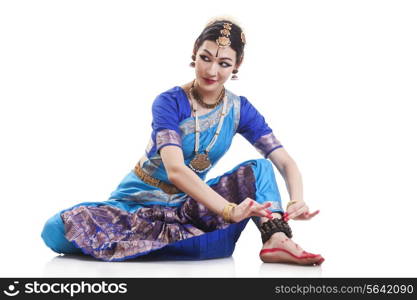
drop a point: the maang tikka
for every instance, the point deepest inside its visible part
(224, 41)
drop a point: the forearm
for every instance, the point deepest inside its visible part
(293, 181)
(290, 172)
(188, 182)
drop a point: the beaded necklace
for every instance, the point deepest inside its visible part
(201, 161)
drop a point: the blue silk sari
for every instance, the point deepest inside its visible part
(141, 220)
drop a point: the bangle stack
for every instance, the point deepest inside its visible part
(227, 212)
(291, 203)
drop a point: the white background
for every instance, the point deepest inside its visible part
(336, 80)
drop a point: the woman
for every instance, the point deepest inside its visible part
(163, 208)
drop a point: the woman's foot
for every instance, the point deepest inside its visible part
(280, 249)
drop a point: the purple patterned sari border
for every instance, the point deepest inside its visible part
(168, 136)
(267, 143)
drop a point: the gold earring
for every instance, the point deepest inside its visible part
(234, 77)
(192, 64)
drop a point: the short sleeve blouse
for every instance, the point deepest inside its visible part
(253, 127)
(168, 110)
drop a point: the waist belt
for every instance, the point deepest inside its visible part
(166, 187)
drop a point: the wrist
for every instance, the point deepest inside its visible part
(228, 212)
(291, 202)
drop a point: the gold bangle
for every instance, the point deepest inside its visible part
(291, 203)
(227, 211)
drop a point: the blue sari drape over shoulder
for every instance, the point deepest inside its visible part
(139, 219)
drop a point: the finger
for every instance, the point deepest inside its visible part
(294, 207)
(262, 212)
(251, 204)
(265, 213)
(311, 215)
(298, 212)
(303, 216)
(266, 204)
(247, 201)
(307, 215)
(246, 207)
(285, 217)
(259, 207)
(264, 207)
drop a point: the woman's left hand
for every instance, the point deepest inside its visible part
(299, 211)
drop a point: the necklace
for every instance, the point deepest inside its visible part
(197, 97)
(201, 161)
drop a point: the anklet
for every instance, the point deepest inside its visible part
(272, 226)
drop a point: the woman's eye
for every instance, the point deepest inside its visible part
(223, 64)
(203, 57)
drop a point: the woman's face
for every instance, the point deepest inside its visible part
(211, 71)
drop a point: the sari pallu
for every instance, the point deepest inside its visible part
(140, 220)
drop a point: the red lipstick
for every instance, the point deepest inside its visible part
(209, 81)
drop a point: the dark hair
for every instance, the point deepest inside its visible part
(212, 31)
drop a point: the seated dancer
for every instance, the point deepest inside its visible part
(163, 208)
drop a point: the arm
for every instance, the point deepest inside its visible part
(253, 127)
(293, 180)
(289, 171)
(187, 181)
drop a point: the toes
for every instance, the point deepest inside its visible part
(310, 255)
(318, 260)
(312, 261)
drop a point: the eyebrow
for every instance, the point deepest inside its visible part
(220, 57)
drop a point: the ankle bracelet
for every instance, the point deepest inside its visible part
(270, 227)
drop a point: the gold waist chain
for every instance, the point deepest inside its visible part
(166, 187)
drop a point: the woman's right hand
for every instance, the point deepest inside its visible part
(250, 208)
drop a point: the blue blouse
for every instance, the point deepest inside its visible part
(173, 124)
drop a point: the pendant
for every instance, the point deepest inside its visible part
(200, 163)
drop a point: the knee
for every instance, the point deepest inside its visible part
(262, 164)
(53, 234)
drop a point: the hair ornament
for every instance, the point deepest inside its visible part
(224, 40)
(243, 38)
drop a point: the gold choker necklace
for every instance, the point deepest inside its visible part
(197, 97)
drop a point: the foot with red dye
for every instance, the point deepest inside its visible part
(280, 249)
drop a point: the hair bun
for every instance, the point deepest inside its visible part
(223, 18)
